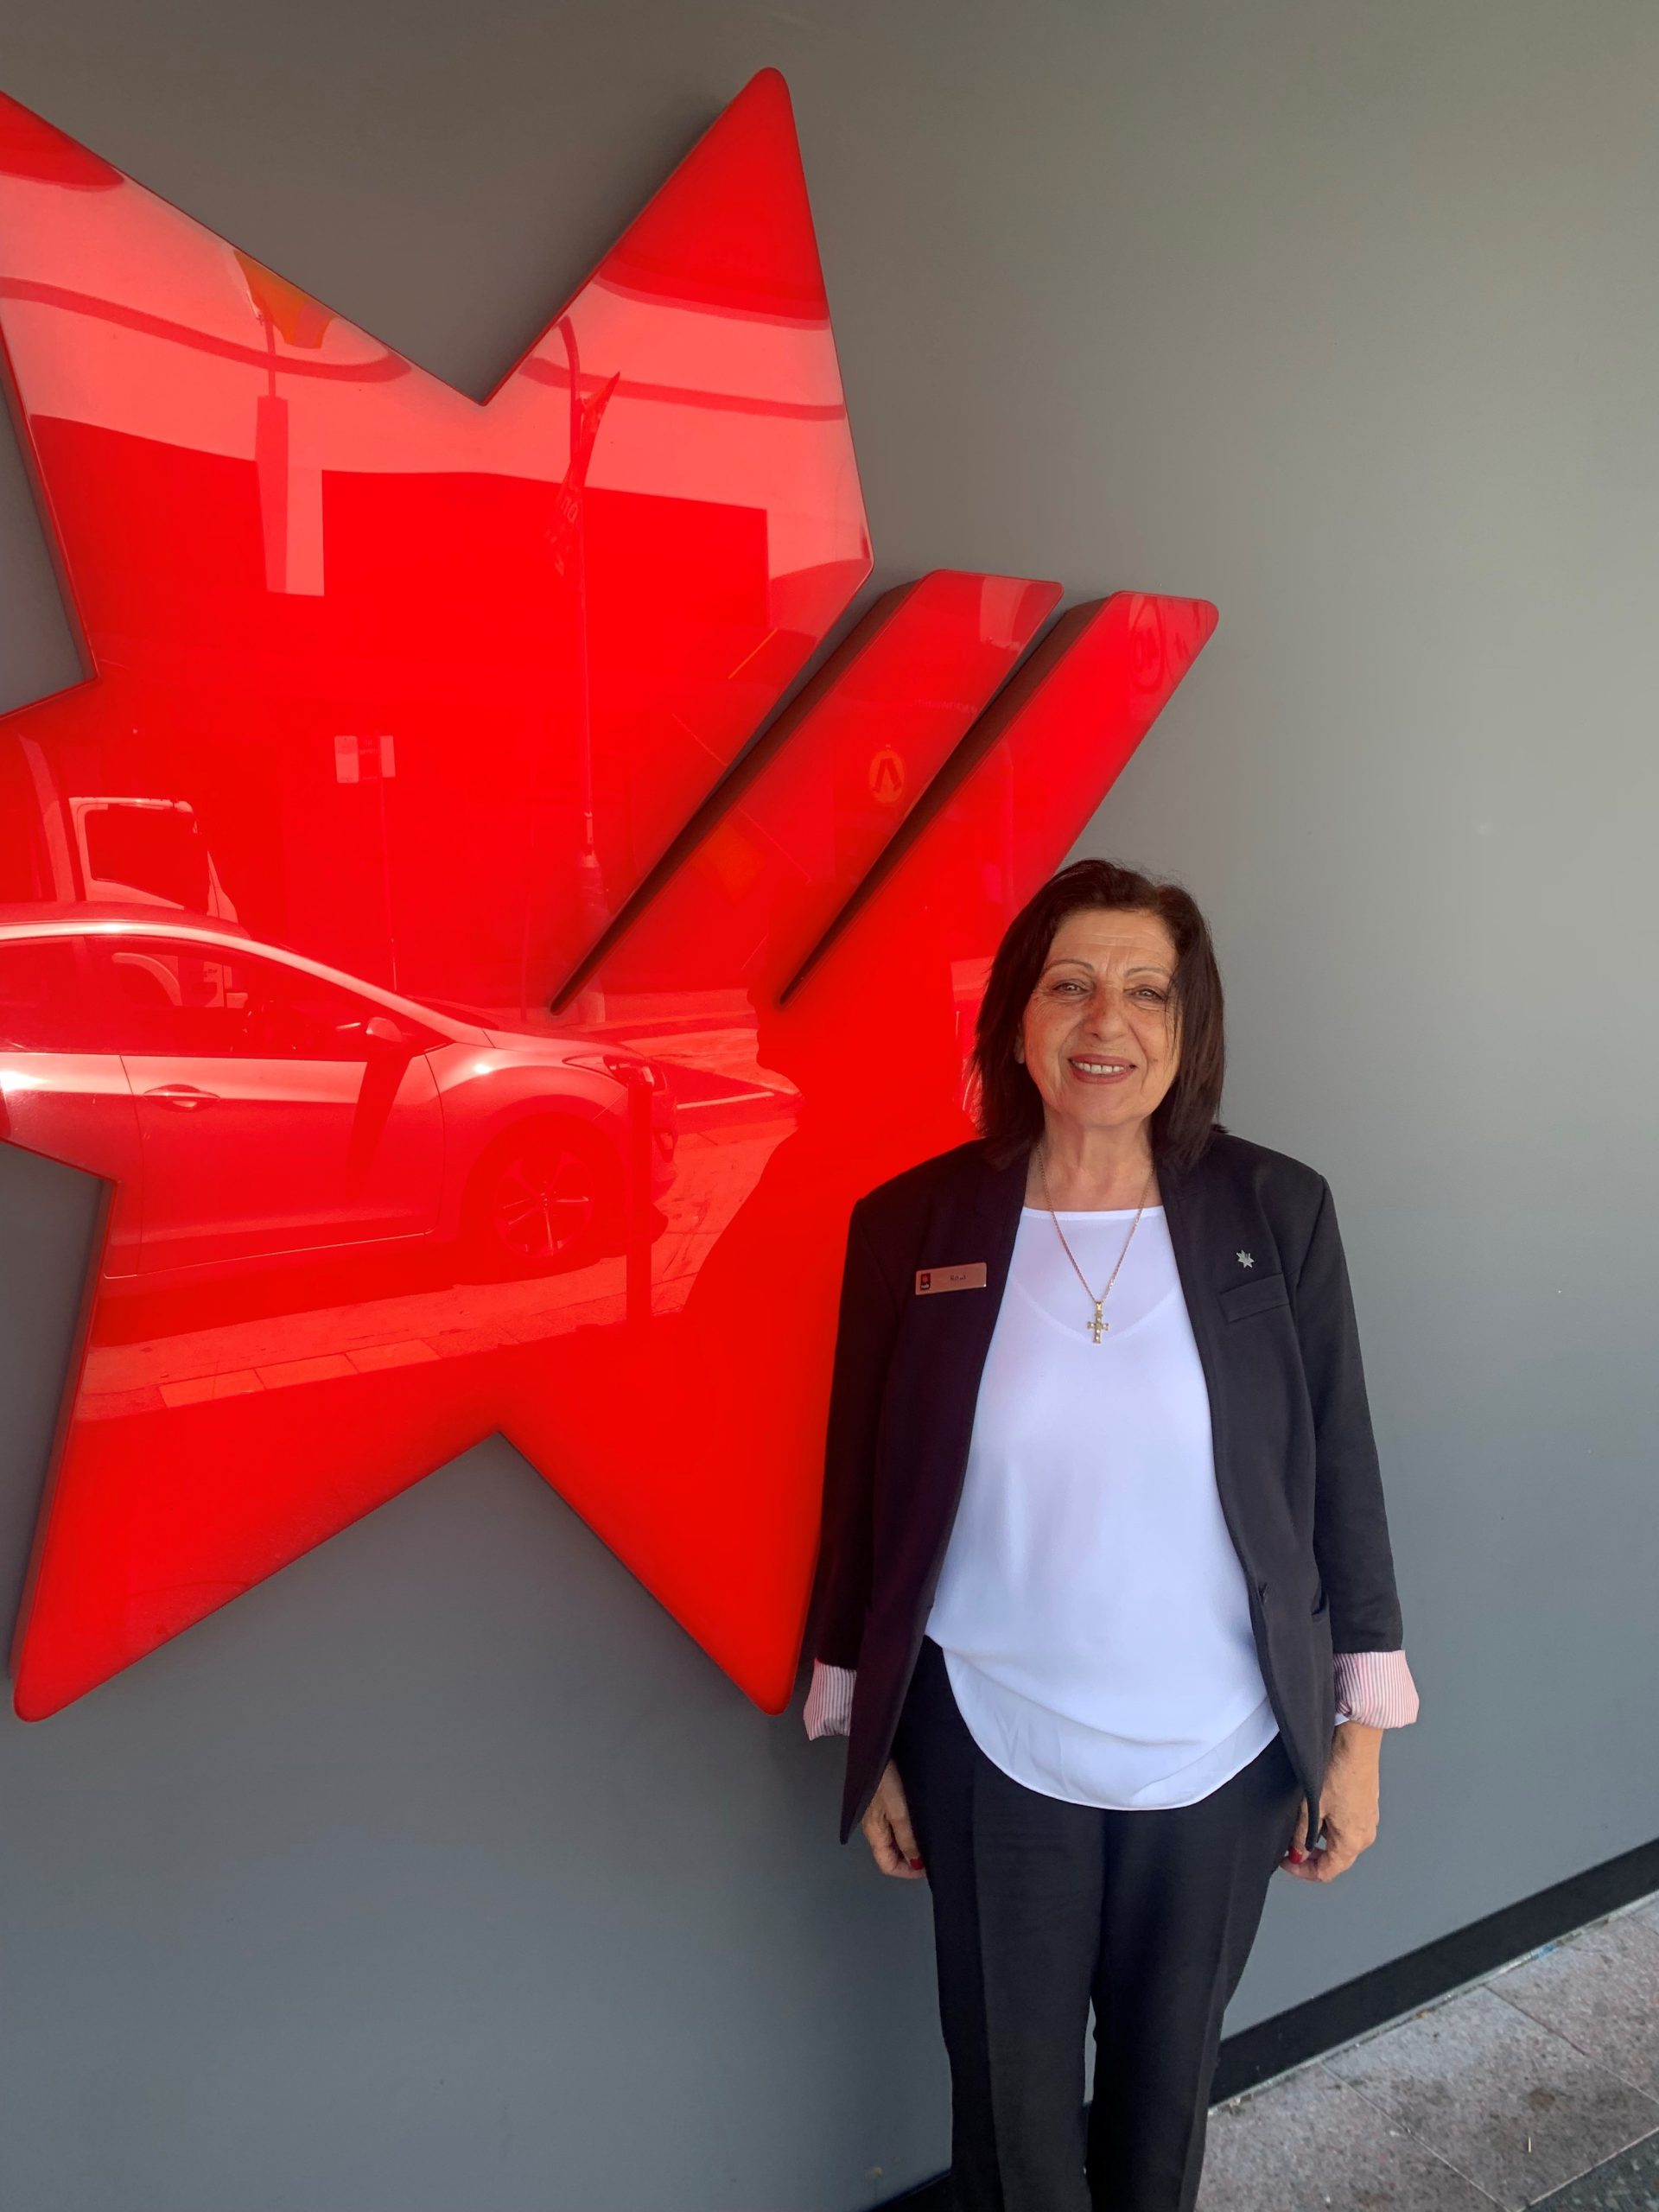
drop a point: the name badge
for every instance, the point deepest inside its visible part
(969, 1276)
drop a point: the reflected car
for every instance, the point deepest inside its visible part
(250, 1104)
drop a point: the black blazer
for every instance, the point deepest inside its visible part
(1262, 1268)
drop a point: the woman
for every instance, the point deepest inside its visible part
(1106, 1600)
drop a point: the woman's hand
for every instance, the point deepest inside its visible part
(887, 1830)
(1348, 1805)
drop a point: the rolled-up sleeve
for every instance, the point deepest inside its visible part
(828, 1709)
(1375, 1688)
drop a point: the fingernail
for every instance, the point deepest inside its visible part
(1297, 1855)
(917, 1864)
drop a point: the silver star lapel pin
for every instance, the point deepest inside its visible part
(1245, 1259)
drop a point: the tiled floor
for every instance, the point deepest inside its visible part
(1629, 2183)
(1539, 2086)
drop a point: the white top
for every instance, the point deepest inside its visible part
(1092, 1609)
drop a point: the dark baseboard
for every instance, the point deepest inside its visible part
(1388, 1992)
(931, 2196)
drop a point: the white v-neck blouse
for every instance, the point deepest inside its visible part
(1092, 1609)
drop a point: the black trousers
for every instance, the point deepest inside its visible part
(1039, 1908)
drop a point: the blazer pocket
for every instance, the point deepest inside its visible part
(1255, 1297)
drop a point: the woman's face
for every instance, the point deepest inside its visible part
(1098, 1036)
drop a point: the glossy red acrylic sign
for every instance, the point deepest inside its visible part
(481, 1011)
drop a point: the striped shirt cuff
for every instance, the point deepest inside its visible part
(829, 1710)
(1375, 1689)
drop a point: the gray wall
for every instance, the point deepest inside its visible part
(444, 1869)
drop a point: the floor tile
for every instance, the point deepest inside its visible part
(1308, 2144)
(1600, 1990)
(1515, 2107)
(1629, 2183)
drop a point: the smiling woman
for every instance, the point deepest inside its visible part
(1060, 970)
(1107, 1598)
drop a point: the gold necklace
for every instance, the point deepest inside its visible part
(1100, 1324)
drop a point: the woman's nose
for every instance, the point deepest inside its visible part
(1105, 1016)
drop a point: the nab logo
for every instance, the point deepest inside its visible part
(887, 777)
(465, 949)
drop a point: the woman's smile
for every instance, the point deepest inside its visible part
(1095, 1069)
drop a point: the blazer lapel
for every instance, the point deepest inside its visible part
(976, 1217)
(1187, 1215)
(982, 1218)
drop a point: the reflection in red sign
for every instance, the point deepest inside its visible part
(479, 1025)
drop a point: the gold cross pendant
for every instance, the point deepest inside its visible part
(1099, 1323)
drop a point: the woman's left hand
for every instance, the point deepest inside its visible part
(1348, 1807)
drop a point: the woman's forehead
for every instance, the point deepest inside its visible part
(1103, 935)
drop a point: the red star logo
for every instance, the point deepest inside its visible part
(481, 1004)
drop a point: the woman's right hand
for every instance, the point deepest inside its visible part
(887, 1830)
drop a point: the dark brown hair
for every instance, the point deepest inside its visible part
(1009, 1104)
